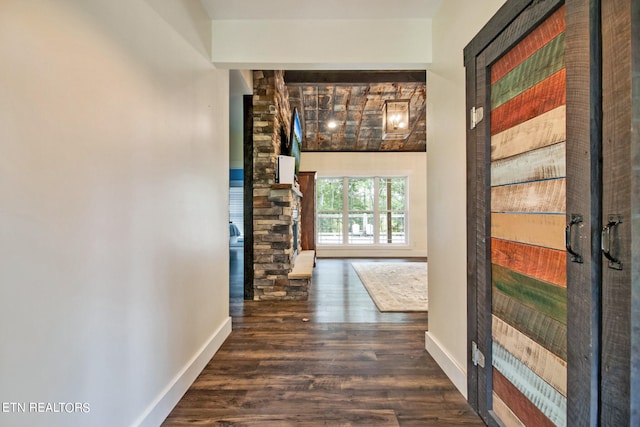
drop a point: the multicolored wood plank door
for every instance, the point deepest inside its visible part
(528, 207)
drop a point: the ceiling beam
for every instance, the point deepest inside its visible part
(353, 77)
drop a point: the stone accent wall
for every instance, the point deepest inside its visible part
(274, 205)
(271, 113)
(273, 251)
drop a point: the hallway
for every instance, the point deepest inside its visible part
(348, 365)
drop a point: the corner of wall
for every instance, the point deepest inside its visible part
(455, 372)
(168, 398)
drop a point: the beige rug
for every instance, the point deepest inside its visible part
(395, 286)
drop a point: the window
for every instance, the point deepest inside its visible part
(236, 207)
(361, 210)
(329, 204)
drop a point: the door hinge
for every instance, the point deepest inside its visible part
(477, 114)
(476, 355)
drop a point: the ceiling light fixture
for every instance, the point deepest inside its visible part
(332, 124)
(395, 119)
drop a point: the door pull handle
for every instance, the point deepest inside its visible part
(608, 241)
(575, 219)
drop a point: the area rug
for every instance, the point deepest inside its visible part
(395, 286)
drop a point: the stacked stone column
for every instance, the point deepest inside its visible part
(274, 205)
(273, 243)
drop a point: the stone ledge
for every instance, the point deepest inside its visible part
(303, 265)
(278, 186)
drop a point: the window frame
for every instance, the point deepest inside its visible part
(376, 213)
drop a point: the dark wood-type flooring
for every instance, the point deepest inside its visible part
(348, 365)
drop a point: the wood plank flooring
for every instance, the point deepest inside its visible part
(347, 365)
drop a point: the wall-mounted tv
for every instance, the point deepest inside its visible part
(296, 138)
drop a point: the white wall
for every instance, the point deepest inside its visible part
(456, 23)
(412, 165)
(240, 84)
(321, 44)
(113, 213)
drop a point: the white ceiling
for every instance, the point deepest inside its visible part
(321, 9)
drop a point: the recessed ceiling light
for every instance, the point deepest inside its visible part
(332, 124)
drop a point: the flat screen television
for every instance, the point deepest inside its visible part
(296, 139)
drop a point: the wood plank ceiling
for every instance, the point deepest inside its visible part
(354, 100)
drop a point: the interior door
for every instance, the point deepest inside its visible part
(527, 113)
(584, 217)
(515, 286)
(518, 264)
(620, 385)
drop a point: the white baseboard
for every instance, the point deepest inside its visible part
(456, 374)
(158, 411)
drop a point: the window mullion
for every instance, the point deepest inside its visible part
(345, 210)
(376, 216)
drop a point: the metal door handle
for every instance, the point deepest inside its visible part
(608, 239)
(575, 219)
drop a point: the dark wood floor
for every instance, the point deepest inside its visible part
(348, 365)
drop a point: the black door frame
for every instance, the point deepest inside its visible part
(247, 102)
